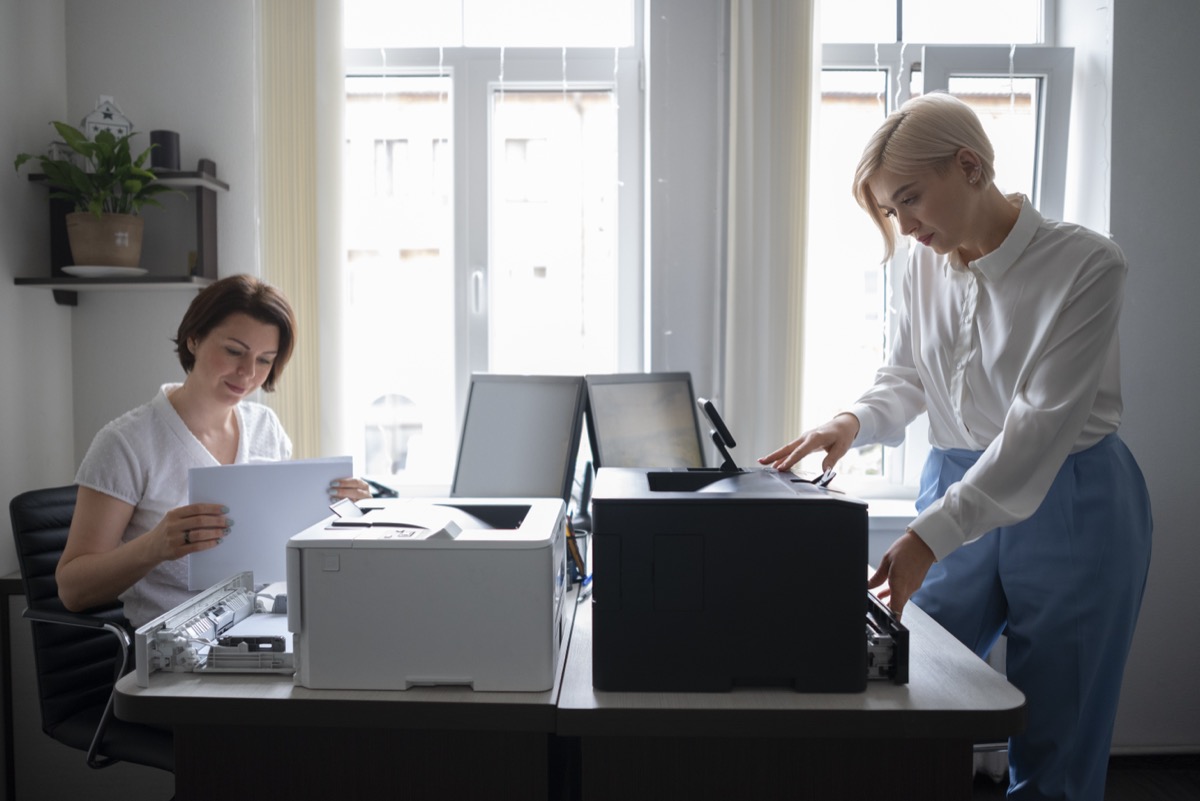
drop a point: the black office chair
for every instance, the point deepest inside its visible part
(79, 656)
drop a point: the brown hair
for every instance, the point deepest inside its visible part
(247, 295)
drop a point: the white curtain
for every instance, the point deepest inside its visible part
(300, 221)
(773, 70)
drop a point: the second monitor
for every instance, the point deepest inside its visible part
(520, 437)
(643, 420)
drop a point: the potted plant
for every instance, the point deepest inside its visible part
(107, 186)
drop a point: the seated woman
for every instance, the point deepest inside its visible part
(133, 529)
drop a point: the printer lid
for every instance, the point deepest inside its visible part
(442, 524)
(692, 484)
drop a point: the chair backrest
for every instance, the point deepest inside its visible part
(76, 667)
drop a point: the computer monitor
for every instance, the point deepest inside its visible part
(643, 420)
(520, 437)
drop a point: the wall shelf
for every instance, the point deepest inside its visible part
(185, 180)
(66, 289)
(203, 183)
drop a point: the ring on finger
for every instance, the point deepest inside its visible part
(187, 538)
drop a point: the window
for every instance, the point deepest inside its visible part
(491, 208)
(993, 57)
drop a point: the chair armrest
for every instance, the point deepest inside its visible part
(86, 621)
(124, 642)
(68, 618)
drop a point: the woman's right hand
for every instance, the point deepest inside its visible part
(189, 529)
(97, 566)
(834, 437)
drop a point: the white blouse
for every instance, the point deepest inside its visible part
(1015, 355)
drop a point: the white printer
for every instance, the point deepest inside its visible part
(411, 592)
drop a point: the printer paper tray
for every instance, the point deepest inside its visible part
(887, 644)
(216, 631)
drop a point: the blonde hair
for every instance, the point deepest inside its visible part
(925, 133)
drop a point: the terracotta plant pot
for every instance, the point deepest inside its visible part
(111, 240)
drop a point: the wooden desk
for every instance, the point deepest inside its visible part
(262, 735)
(892, 741)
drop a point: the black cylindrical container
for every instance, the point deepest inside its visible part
(165, 155)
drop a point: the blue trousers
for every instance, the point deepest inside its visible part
(1065, 587)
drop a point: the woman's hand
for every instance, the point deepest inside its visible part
(353, 488)
(833, 437)
(189, 529)
(903, 567)
(97, 566)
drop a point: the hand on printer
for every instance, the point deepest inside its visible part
(903, 567)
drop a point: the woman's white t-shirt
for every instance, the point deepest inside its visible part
(143, 458)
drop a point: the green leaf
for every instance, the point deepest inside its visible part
(74, 138)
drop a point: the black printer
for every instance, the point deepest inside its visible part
(711, 579)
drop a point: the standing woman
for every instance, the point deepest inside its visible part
(1033, 517)
(132, 529)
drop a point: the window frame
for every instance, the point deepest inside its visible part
(476, 73)
(1054, 67)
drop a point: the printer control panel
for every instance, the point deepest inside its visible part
(395, 534)
(376, 529)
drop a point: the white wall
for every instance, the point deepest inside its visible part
(36, 361)
(1087, 27)
(35, 335)
(1155, 176)
(188, 67)
(1131, 170)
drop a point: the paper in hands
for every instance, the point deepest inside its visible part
(268, 502)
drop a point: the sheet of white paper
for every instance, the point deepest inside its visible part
(268, 503)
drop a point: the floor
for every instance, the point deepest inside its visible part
(1132, 778)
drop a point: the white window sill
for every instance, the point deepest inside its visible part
(889, 514)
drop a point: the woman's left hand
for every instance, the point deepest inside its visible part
(903, 567)
(353, 488)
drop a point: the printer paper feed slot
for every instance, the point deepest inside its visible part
(887, 644)
(189, 638)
